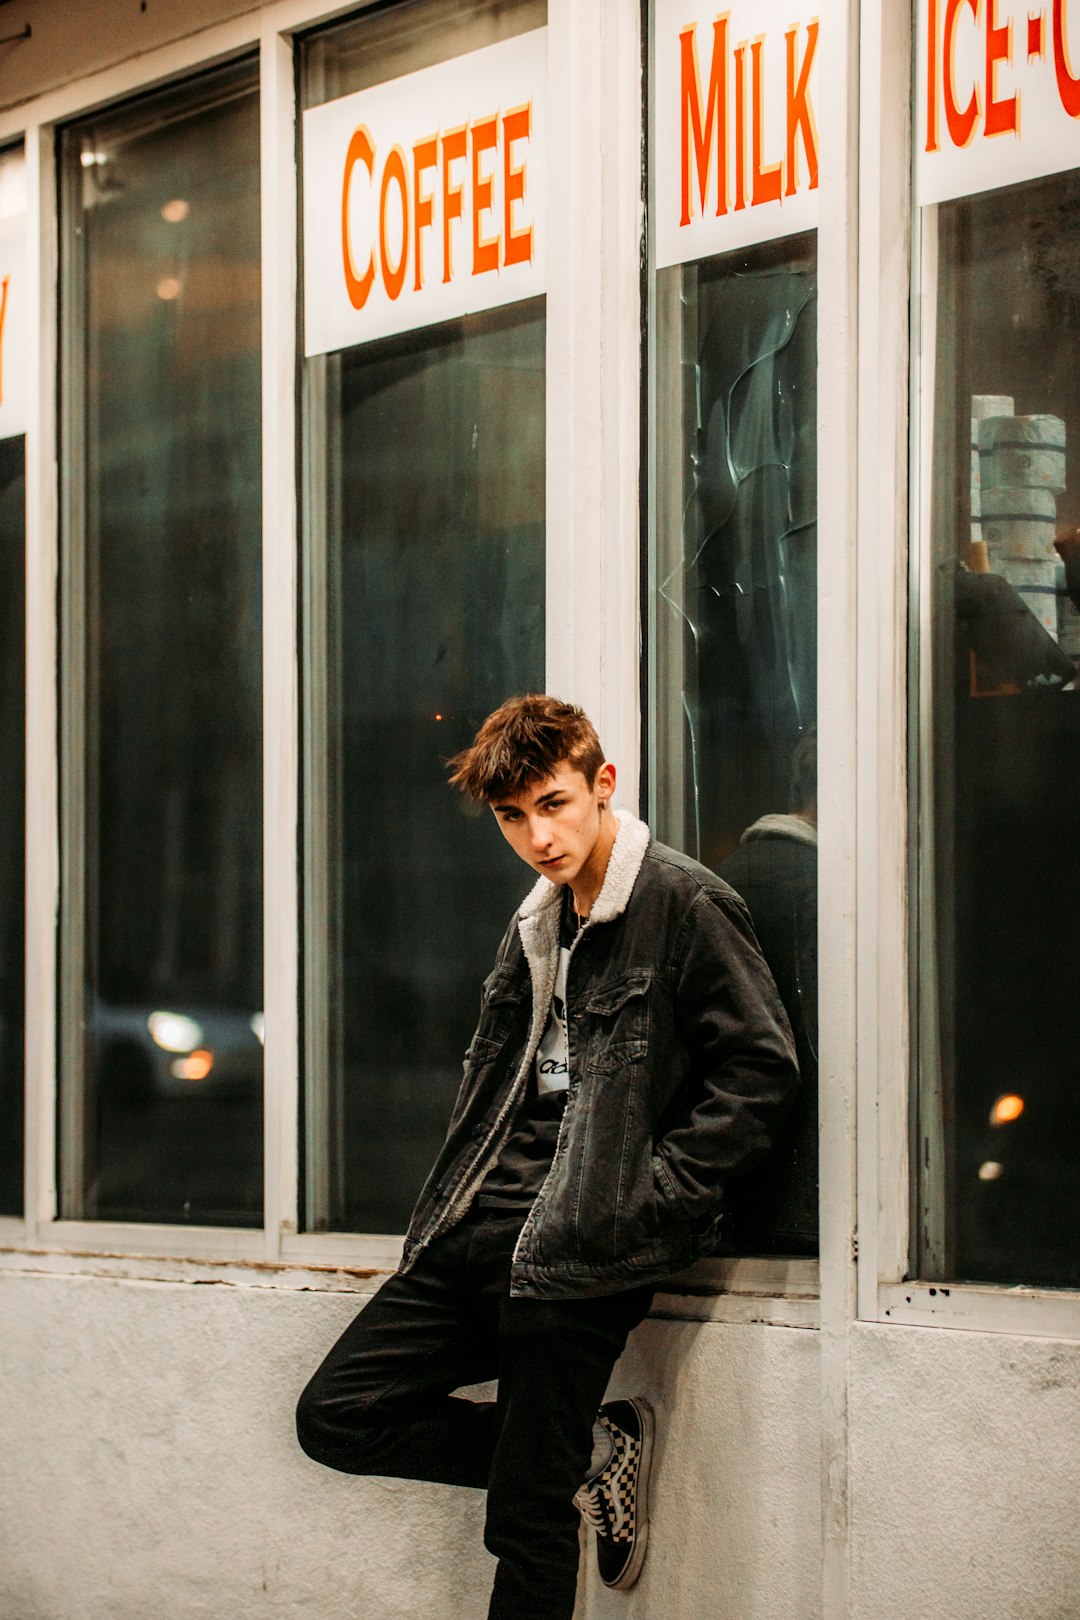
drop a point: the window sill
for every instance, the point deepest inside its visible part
(750, 1290)
(982, 1308)
(781, 1293)
(50, 1261)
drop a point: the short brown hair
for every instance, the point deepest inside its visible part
(525, 741)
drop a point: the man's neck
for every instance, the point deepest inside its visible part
(590, 880)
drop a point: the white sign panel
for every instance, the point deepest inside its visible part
(997, 94)
(735, 136)
(14, 337)
(424, 198)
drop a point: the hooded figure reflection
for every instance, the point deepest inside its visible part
(774, 1209)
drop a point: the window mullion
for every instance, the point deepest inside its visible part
(594, 65)
(281, 737)
(573, 344)
(882, 1015)
(42, 841)
(837, 418)
(619, 392)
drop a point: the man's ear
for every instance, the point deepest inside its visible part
(605, 783)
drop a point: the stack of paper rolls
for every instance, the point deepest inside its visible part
(982, 406)
(1022, 468)
(1022, 452)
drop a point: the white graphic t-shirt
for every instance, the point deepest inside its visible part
(552, 1058)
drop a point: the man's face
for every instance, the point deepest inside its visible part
(556, 825)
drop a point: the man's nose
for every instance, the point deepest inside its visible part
(539, 835)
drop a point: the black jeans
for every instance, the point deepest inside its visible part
(382, 1401)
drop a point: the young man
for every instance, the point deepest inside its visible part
(631, 1054)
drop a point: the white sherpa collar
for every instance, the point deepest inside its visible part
(624, 864)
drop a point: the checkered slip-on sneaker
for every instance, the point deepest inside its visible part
(615, 1500)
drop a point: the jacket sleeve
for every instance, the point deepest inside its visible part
(743, 1072)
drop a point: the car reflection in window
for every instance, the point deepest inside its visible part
(144, 1053)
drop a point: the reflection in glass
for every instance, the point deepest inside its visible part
(403, 38)
(733, 616)
(12, 810)
(999, 1128)
(161, 1105)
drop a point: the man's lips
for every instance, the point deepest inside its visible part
(554, 860)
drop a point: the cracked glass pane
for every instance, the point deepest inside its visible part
(733, 616)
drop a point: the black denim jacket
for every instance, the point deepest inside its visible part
(682, 1067)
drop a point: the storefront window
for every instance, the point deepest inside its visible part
(1000, 1100)
(424, 575)
(732, 759)
(13, 400)
(734, 641)
(161, 965)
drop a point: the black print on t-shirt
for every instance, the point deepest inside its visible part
(552, 1055)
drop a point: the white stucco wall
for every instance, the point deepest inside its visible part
(965, 1475)
(148, 1468)
(736, 1508)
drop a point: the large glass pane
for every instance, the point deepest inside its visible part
(999, 1128)
(13, 404)
(12, 811)
(405, 37)
(733, 641)
(161, 966)
(424, 608)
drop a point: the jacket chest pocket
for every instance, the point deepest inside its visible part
(615, 1021)
(500, 1018)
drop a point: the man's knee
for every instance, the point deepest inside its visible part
(324, 1433)
(311, 1424)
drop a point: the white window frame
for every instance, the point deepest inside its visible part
(593, 514)
(593, 427)
(829, 1281)
(592, 501)
(593, 351)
